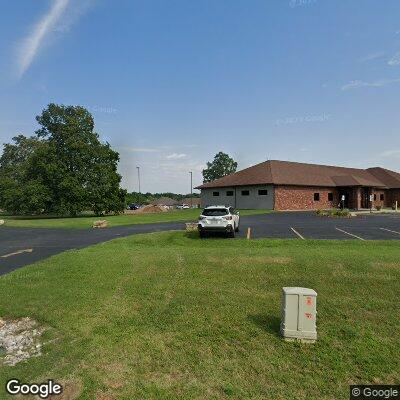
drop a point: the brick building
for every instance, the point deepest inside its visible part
(284, 185)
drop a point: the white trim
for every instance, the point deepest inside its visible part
(350, 234)
(297, 233)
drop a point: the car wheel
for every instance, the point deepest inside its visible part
(202, 234)
(232, 233)
(237, 229)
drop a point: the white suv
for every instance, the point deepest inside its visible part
(218, 219)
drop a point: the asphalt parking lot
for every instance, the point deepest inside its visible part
(307, 225)
(24, 246)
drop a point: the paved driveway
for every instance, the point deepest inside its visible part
(23, 246)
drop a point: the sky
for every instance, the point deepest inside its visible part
(172, 82)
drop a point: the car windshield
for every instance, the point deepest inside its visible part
(215, 212)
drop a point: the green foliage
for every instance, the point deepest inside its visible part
(345, 213)
(222, 165)
(65, 169)
(146, 198)
(138, 198)
(21, 192)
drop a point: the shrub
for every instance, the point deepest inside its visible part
(336, 213)
(341, 213)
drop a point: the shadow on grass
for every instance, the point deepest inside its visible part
(210, 236)
(269, 323)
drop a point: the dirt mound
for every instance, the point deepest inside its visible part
(151, 209)
(19, 340)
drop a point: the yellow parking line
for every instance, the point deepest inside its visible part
(384, 229)
(17, 252)
(350, 234)
(297, 233)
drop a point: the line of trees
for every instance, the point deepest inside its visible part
(146, 198)
(63, 169)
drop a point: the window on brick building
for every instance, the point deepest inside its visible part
(382, 197)
(316, 196)
(245, 192)
(263, 192)
(215, 194)
(229, 192)
(374, 196)
(330, 196)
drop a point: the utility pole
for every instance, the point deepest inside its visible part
(191, 189)
(138, 175)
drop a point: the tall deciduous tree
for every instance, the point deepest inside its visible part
(222, 165)
(21, 190)
(77, 171)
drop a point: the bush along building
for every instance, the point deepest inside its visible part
(284, 185)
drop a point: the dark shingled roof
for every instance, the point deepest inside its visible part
(390, 178)
(300, 174)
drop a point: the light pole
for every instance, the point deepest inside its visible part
(138, 175)
(191, 189)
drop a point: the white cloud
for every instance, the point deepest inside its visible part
(176, 156)
(31, 45)
(372, 56)
(181, 169)
(390, 154)
(395, 60)
(379, 83)
(56, 20)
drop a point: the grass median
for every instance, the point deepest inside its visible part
(85, 221)
(170, 316)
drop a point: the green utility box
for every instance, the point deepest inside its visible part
(299, 312)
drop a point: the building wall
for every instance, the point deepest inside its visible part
(292, 197)
(392, 196)
(355, 198)
(302, 198)
(377, 199)
(238, 200)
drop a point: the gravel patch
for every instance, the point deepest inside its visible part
(19, 340)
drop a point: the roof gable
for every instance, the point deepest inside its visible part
(390, 178)
(301, 174)
(256, 175)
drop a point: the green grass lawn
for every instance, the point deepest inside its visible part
(113, 220)
(167, 316)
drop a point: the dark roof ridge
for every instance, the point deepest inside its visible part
(322, 165)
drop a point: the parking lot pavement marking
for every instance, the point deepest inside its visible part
(297, 233)
(16, 253)
(384, 229)
(350, 234)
